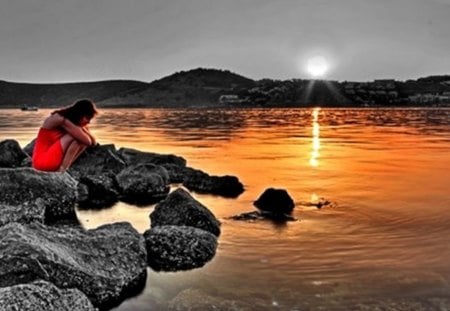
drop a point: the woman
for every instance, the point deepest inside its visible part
(64, 136)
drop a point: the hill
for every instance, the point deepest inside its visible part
(53, 95)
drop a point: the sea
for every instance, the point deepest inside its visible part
(381, 241)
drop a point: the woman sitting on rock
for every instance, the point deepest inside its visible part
(64, 136)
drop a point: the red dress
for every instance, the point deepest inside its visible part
(48, 153)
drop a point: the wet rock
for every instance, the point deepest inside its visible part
(97, 160)
(107, 264)
(11, 154)
(43, 296)
(133, 157)
(275, 201)
(143, 183)
(254, 216)
(97, 191)
(173, 248)
(201, 182)
(28, 149)
(57, 191)
(181, 209)
(177, 174)
(27, 212)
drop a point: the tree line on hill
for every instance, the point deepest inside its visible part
(222, 88)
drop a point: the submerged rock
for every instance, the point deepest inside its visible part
(181, 209)
(275, 201)
(201, 182)
(195, 299)
(57, 191)
(11, 154)
(254, 216)
(143, 183)
(133, 157)
(43, 296)
(107, 264)
(172, 248)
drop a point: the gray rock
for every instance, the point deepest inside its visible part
(201, 182)
(97, 160)
(107, 264)
(133, 156)
(177, 173)
(11, 155)
(27, 212)
(28, 149)
(173, 248)
(256, 216)
(98, 191)
(43, 296)
(143, 183)
(181, 209)
(275, 201)
(57, 191)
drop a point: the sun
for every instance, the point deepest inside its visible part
(317, 66)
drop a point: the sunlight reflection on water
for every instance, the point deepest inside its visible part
(387, 234)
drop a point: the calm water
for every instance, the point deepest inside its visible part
(385, 237)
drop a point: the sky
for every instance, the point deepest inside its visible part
(53, 41)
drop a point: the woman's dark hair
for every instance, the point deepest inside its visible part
(81, 108)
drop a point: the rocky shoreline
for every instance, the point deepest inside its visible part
(45, 253)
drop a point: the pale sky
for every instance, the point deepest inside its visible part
(88, 40)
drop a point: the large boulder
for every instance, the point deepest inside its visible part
(173, 248)
(57, 191)
(181, 209)
(11, 154)
(43, 296)
(276, 202)
(27, 212)
(201, 182)
(143, 183)
(107, 264)
(97, 160)
(133, 156)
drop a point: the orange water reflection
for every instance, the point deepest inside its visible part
(313, 161)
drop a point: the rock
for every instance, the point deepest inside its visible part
(173, 248)
(98, 191)
(177, 174)
(133, 157)
(144, 183)
(27, 212)
(181, 209)
(201, 182)
(254, 216)
(58, 191)
(107, 264)
(43, 296)
(275, 201)
(97, 160)
(28, 149)
(11, 155)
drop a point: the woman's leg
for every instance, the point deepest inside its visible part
(71, 151)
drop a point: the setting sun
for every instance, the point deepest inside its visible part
(317, 66)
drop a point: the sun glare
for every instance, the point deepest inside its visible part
(317, 66)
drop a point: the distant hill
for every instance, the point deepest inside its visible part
(195, 88)
(53, 95)
(204, 87)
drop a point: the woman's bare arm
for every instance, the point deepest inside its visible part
(86, 130)
(77, 132)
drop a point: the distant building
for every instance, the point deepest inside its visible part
(229, 99)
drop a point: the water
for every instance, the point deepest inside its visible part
(384, 240)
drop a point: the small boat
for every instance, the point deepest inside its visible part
(29, 108)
